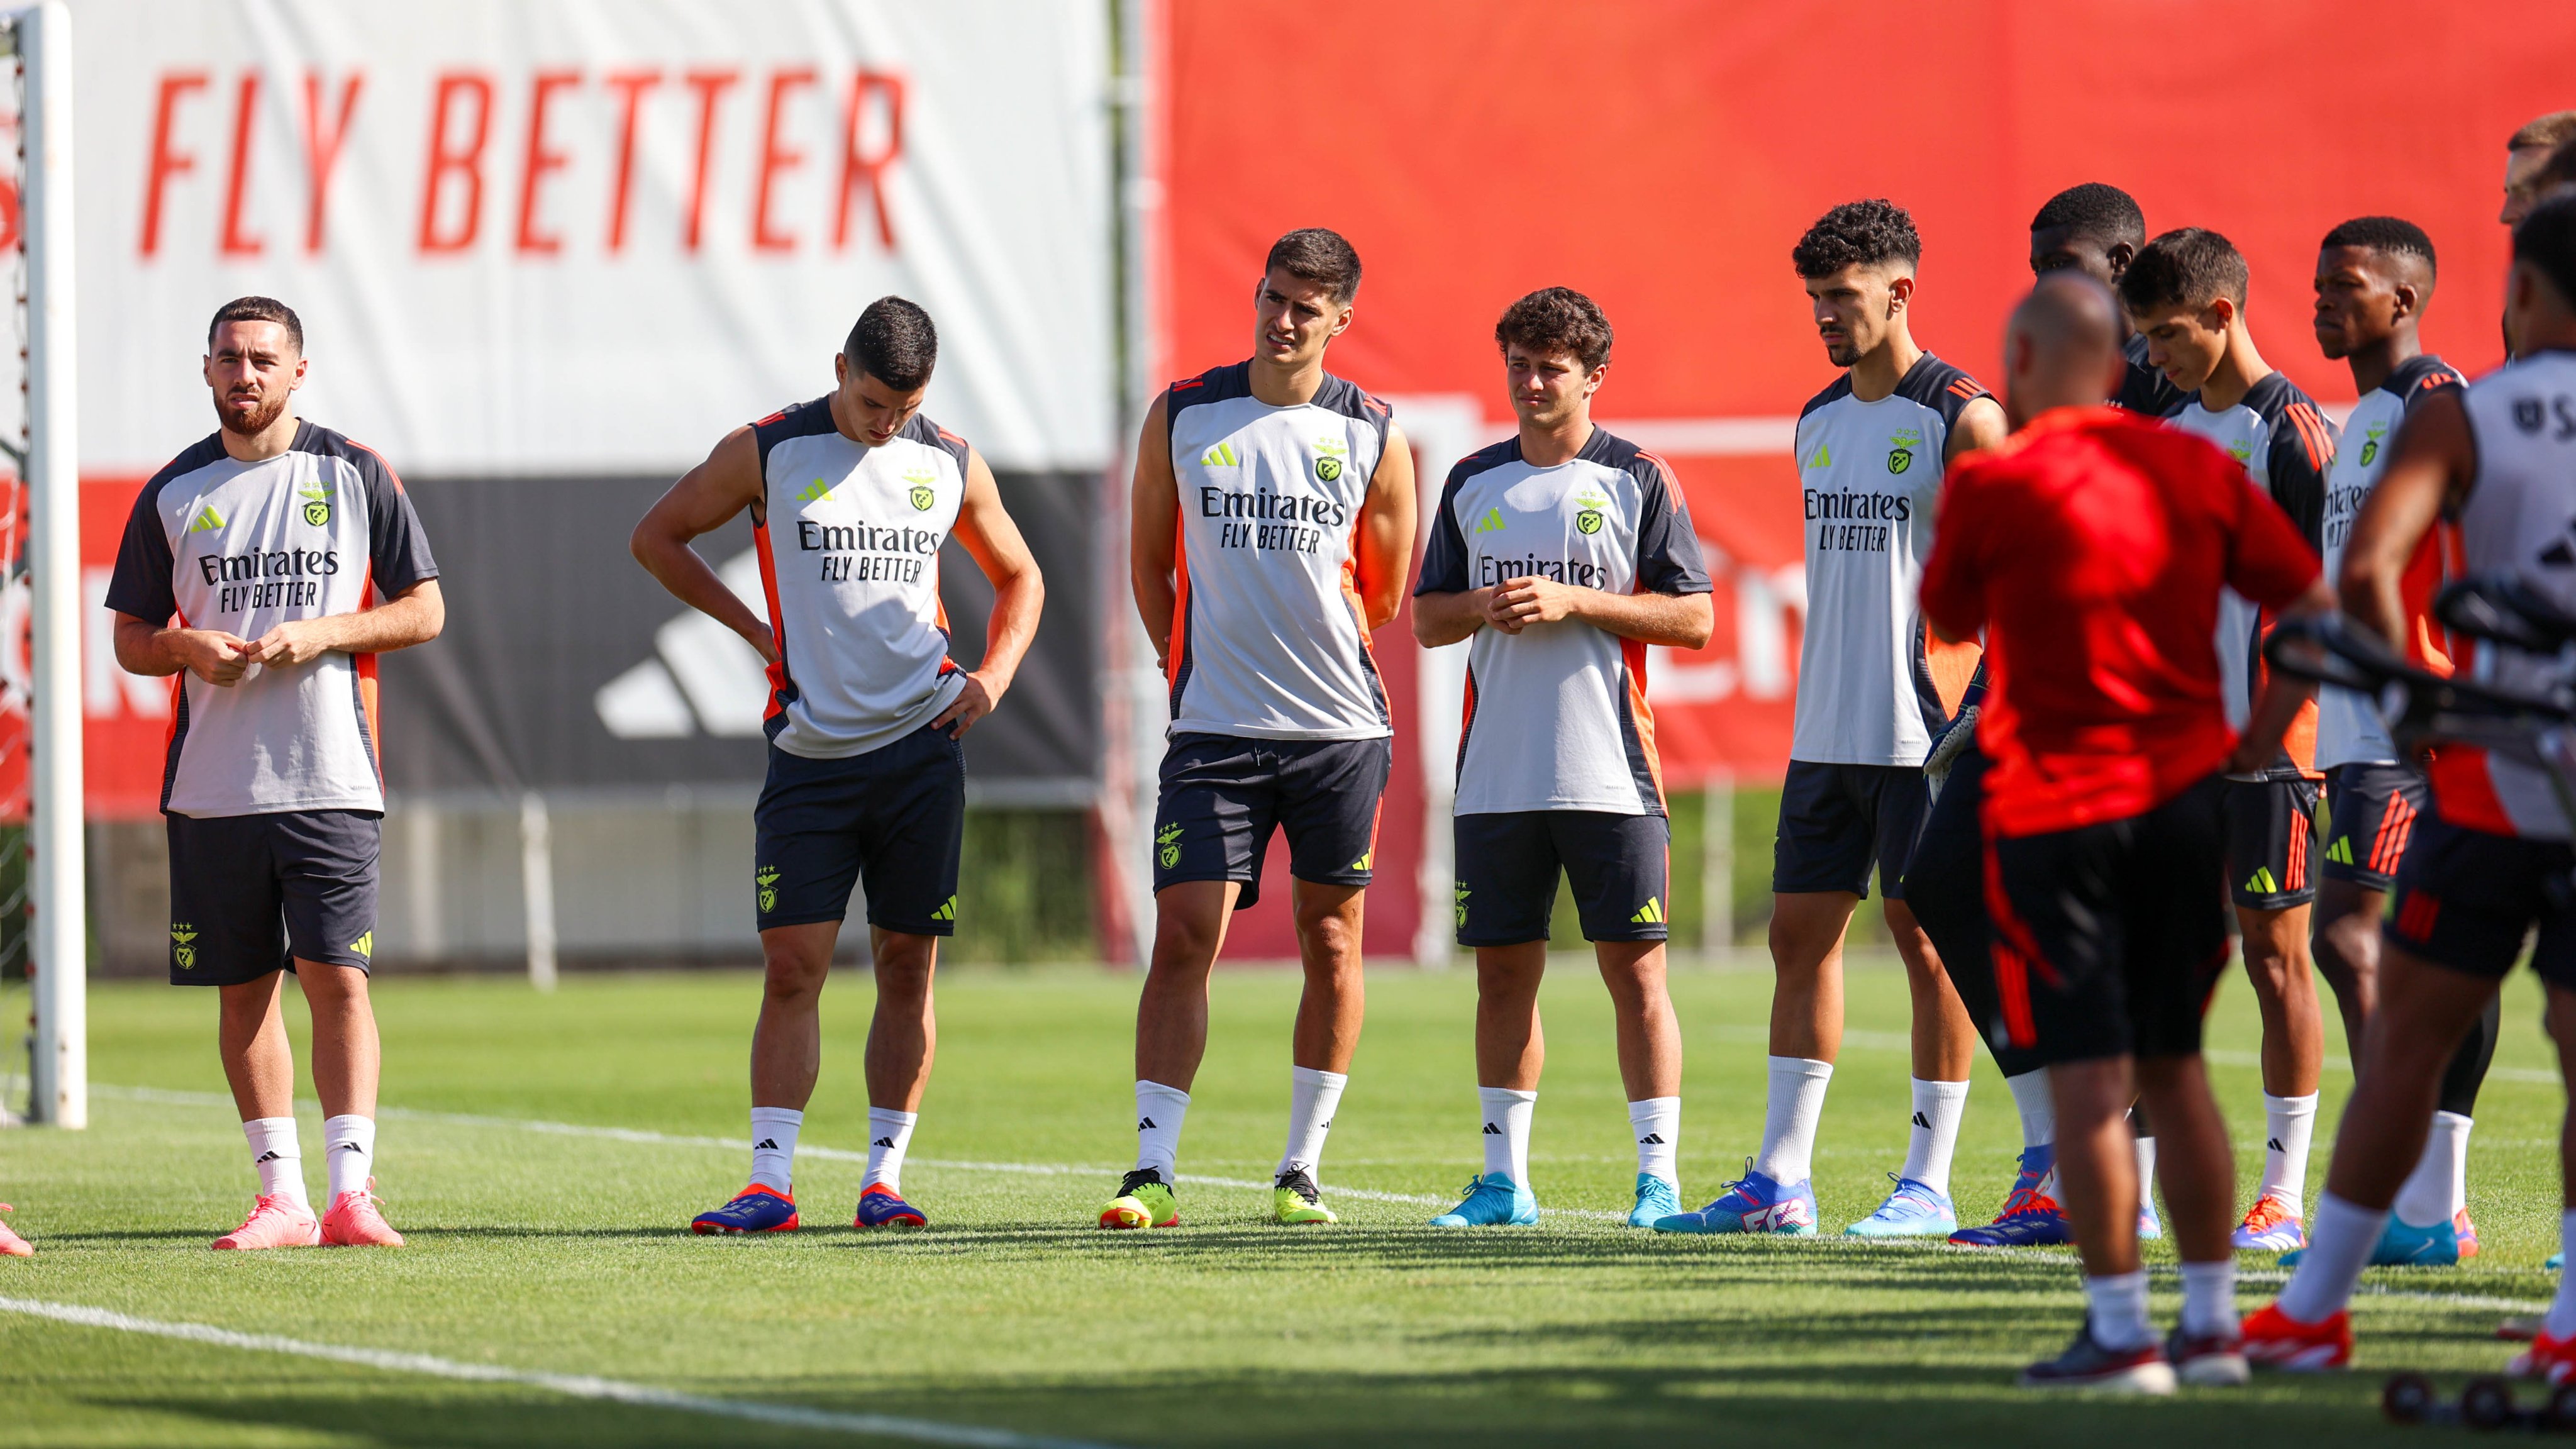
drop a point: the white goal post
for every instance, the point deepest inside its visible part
(40, 40)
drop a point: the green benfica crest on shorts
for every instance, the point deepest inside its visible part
(766, 877)
(1460, 893)
(317, 505)
(1167, 843)
(183, 952)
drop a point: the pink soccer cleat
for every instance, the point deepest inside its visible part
(11, 1245)
(357, 1220)
(274, 1223)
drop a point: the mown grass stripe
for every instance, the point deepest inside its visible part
(579, 1386)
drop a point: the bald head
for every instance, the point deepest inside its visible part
(2062, 347)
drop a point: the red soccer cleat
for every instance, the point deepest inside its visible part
(357, 1220)
(274, 1222)
(2548, 1358)
(2274, 1339)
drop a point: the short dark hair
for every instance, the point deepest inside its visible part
(2394, 235)
(2548, 130)
(2191, 266)
(2094, 209)
(1320, 255)
(1557, 321)
(2547, 240)
(2559, 169)
(1857, 233)
(894, 343)
(258, 309)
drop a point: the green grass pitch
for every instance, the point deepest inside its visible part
(547, 1252)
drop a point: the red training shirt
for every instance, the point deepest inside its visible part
(2090, 547)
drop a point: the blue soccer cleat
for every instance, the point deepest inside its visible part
(2031, 1218)
(1912, 1211)
(1656, 1198)
(2556, 1262)
(756, 1209)
(2403, 1245)
(1752, 1204)
(882, 1207)
(2149, 1227)
(1493, 1200)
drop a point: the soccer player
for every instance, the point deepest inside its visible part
(1872, 450)
(1562, 553)
(2526, 152)
(2092, 549)
(851, 496)
(2491, 861)
(267, 566)
(2097, 230)
(1273, 531)
(2186, 293)
(2374, 278)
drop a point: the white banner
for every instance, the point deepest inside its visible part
(589, 236)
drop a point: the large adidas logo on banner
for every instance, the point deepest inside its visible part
(701, 679)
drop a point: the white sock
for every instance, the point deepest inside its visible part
(2038, 1109)
(2459, 1162)
(1657, 1123)
(1159, 1113)
(2147, 1173)
(889, 1133)
(1795, 1104)
(2426, 1199)
(2117, 1310)
(348, 1153)
(2562, 1309)
(1313, 1097)
(1506, 1115)
(279, 1161)
(1934, 1135)
(2289, 1123)
(773, 1147)
(2340, 1238)
(2209, 1298)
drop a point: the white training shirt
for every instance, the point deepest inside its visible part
(322, 528)
(2519, 519)
(1267, 636)
(1556, 715)
(2286, 445)
(1871, 477)
(2349, 729)
(849, 540)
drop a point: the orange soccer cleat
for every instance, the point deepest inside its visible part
(357, 1220)
(274, 1222)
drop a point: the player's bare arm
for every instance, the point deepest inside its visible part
(1153, 540)
(144, 647)
(413, 616)
(994, 542)
(1982, 424)
(704, 500)
(1383, 549)
(2430, 470)
(2282, 696)
(1676, 621)
(1447, 618)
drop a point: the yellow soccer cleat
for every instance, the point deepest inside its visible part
(1295, 1200)
(1144, 1200)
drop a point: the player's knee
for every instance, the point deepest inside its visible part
(792, 973)
(905, 965)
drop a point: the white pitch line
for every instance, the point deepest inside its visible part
(579, 1386)
(829, 1154)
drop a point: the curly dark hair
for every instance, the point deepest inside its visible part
(2094, 209)
(1556, 321)
(1320, 255)
(2191, 266)
(894, 343)
(1857, 233)
(2396, 236)
(2547, 240)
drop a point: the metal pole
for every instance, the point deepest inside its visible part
(59, 932)
(1717, 867)
(537, 887)
(1135, 718)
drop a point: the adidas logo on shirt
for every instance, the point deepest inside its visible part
(1492, 522)
(206, 521)
(1221, 456)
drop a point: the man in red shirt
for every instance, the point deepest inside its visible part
(2091, 549)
